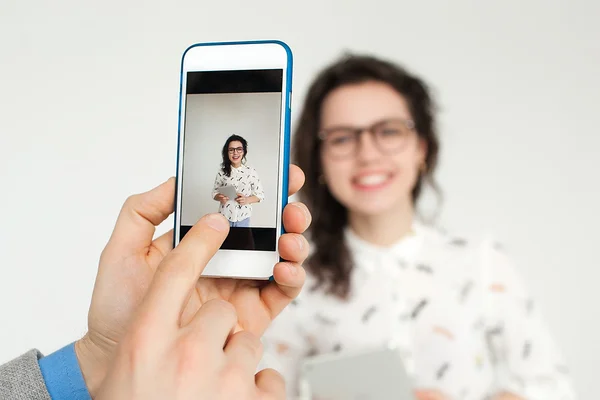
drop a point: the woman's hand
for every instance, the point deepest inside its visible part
(221, 198)
(243, 200)
(436, 395)
(430, 395)
(506, 396)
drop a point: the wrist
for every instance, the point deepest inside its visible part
(93, 363)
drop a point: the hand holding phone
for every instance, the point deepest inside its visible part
(215, 359)
(132, 256)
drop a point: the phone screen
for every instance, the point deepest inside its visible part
(231, 157)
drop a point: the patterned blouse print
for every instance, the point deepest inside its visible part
(245, 180)
(457, 310)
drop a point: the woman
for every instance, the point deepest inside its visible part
(466, 326)
(234, 172)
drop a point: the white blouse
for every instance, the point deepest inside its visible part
(245, 180)
(457, 310)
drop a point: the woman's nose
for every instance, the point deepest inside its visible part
(367, 149)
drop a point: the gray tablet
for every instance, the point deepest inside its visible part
(228, 191)
(371, 375)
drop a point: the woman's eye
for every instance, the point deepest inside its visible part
(390, 132)
(341, 139)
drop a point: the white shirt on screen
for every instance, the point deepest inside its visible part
(246, 181)
(457, 309)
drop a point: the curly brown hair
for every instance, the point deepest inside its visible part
(226, 164)
(331, 262)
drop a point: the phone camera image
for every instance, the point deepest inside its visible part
(231, 154)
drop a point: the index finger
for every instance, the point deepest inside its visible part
(179, 271)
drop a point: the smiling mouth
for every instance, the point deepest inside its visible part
(368, 182)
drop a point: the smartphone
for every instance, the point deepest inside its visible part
(233, 150)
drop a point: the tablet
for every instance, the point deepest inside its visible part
(228, 191)
(378, 374)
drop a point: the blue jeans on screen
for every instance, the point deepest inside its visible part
(245, 223)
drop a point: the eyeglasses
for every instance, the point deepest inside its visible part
(236, 150)
(390, 136)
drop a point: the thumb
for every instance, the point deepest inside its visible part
(139, 216)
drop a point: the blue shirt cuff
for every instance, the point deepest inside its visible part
(63, 376)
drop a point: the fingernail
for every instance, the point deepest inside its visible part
(217, 222)
(307, 216)
(293, 269)
(300, 241)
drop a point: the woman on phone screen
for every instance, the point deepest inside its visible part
(456, 307)
(244, 179)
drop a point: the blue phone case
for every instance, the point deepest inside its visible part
(287, 122)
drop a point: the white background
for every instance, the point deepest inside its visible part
(211, 119)
(88, 115)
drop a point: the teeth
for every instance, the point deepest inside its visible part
(368, 180)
